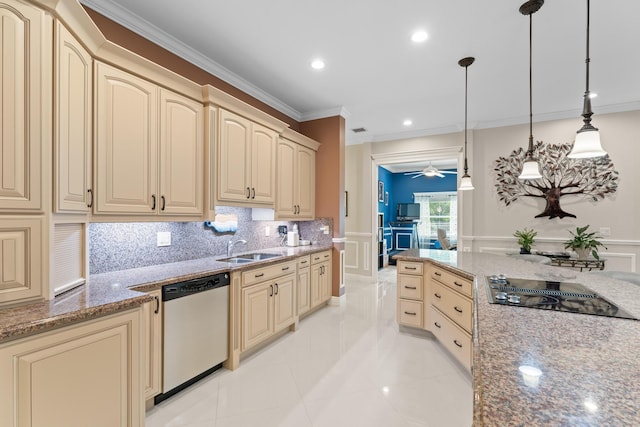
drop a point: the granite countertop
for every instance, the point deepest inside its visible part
(115, 291)
(590, 364)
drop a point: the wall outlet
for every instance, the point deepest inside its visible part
(605, 231)
(267, 231)
(324, 229)
(163, 238)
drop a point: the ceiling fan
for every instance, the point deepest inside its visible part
(430, 172)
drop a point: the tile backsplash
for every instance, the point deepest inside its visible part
(121, 246)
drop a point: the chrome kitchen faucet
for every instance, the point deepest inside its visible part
(231, 244)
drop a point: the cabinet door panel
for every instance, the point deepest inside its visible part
(263, 165)
(257, 315)
(284, 302)
(234, 146)
(73, 138)
(20, 259)
(181, 159)
(25, 76)
(306, 182)
(152, 334)
(304, 284)
(286, 182)
(126, 140)
(316, 285)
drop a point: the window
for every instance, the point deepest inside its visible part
(437, 210)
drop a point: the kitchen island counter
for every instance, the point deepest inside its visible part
(589, 365)
(115, 291)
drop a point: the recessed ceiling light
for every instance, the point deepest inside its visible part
(317, 64)
(407, 122)
(419, 36)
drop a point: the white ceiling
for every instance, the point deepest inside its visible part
(376, 77)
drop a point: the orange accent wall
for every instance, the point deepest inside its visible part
(330, 159)
(126, 38)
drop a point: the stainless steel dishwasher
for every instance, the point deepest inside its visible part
(196, 330)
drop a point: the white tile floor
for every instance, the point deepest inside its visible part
(344, 366)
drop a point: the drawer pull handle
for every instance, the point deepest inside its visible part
(303, 262)
(457, 284)
(259, 275)
(437, 325)
(410, 313)
(457, 309)
(410, 287)
(285, 268)
(457, 343)
(410, 268)
(326, 256)
(437, 296)
(437, 274)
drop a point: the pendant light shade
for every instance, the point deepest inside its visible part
(587, 143)
(465, 181)
(530, 167)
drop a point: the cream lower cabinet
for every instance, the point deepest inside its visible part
(73, 137)
(246, 160)
(440, 301)
(152, 333)
(87, 374)
(410, 294)
(149, 147)
(268, 302)
(320, 272)
(25, 112)
(304, 284)
(295, 181)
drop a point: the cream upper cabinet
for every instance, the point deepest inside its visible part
(181, 155)
(246, 161)
(296, 179)
(149, 144)
(25, 79)
(73, 137)
(126, 142)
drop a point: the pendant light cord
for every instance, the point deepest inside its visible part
(587, 60)
(466, 69)
(530, 148)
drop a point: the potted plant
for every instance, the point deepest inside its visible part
(525, 239)
(584, 243)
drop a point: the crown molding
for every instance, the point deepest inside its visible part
(321, 114)
(149, 31)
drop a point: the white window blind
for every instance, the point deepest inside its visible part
(437, 210)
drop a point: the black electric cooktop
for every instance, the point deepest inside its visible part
(550, 295)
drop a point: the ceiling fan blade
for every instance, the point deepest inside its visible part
(451, 172)
(413, 173)
(417, 176)
(440, 175)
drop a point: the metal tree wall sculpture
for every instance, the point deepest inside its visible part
(561, 176)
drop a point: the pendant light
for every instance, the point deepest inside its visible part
(587, 143)
(465, 181)
(530, 167)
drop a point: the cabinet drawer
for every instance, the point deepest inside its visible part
(464, 286)
(410, 287)
(304, 261)
(265, 273)
(406, 267)
(410, 313)
(454, 339)
(457, 307)
(320, 257)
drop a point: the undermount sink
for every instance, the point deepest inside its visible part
(245, 258)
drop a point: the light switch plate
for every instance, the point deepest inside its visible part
(164, 238)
